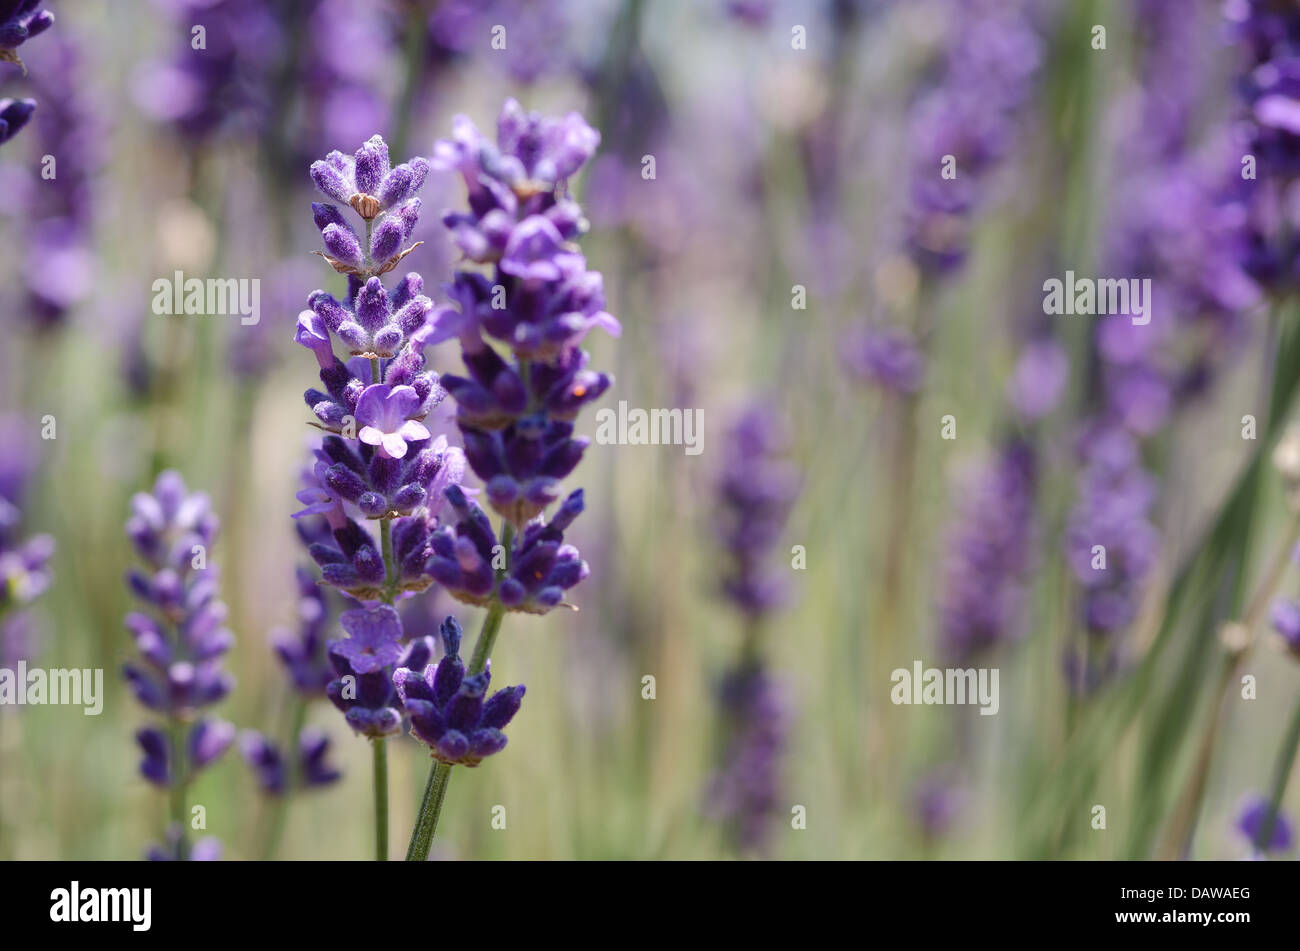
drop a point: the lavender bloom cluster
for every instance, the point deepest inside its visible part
(181, 636)
(756, 491)
(960, 130)
(755, 494)
(448, 710)
(20, 20)
(988, 557)
(516, 412)
(1111, 545)
(970, 114)
(59, 263)
(382, 462)
(1269, 32)
(755, 722)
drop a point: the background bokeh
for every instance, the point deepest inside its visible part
(777, 163)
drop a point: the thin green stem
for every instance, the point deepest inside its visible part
(379, 751)
(1285, 762)
(435, 790)
(180, 780)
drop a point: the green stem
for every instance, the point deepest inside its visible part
(180, 780)
(1285, 761)
(435, 790)
(379, 749)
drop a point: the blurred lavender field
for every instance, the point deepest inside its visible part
(831, 233)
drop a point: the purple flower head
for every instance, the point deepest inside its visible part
(889, 359)
(276, 777)
(493, 395)
(20, 20)
(540, 567)
(989, 554)
(379, 485)
(451, 712)
(937, 800)
(1252, 812)
(745, 791)
(384, 415)
(1039, 379)
(206, 741)
(183, 636)
(366, 698)
(541, 301)
(373, 641)
(370, 323)
(755, 491)
(383, 196)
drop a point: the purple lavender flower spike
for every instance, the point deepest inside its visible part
(989, 557)
(744, 792)
(889, 359)
(448, 710)
(756, 491)
(181, 636)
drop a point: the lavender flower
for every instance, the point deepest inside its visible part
(756, 491)
(1252, 812)
(448, 710)
(988, 558)
(274, 776)
(1110, 543)
(366, 697)
(181, 636)
(516, 418)
(744, 791)
(464, 556)
(971, 114)
(20, 20)
(755, 494)
(889, 359)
